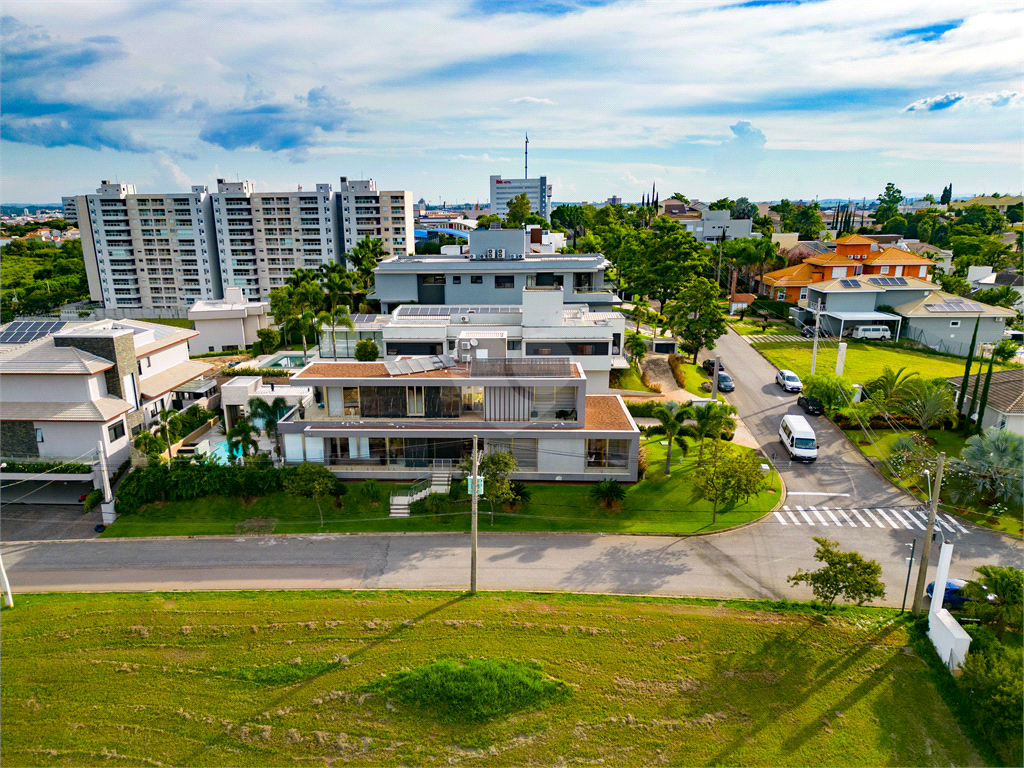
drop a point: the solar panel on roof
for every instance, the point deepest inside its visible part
(849, 284)
(392, 369)
(900, 281)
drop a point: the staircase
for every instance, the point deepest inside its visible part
(439, 482)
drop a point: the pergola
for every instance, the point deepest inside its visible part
(860, 317)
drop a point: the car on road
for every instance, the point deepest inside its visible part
(798, 438)
(725, 382)
(709, 366)
(789, 381)
(811, 405)
(808, 332)
(954, 596)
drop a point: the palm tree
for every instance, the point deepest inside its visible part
(641, 311)
(929, 403)
(672, 415)
(165, 417)
(998, 593)
(148, 443)
(891, 388)
(712, 420)
(308, 299)
(268, 412)
(240, 438)
(338, 316)
(300, 277)
(990, 469)
(608, 492)
(636, 347)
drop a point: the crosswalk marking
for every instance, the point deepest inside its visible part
(899, 517)
(834, 518)
(913, 519)
(863, 522)
(817, 514)
(792, 516)
(846, 517)
(938, 520)
(805, 515)
(873, 518)
(886, 517)
(781, 519)
(954, 522)
(763, 338)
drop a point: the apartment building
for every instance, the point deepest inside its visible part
(385, 215)
(537, 190)
(400, 419)
(148, 251)
(538, 326)
(498, 265)
(69, 208)
(262, 237)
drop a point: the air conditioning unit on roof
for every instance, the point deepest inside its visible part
(467, 358)
(466, 345)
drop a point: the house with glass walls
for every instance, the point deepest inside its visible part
(400, 419)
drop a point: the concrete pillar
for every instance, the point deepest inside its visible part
(941, 574)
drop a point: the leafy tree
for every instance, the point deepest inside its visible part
(895, 225)
(929, 404)
(696, 316)
(572, 217)
(835, 392)
(495, 468)
(636, 346)
(641, 312)
(1003, 296)
(998, 594)
(844, 574)
(747, 479)
(743, 209)
(987, 219)
(367, 351)
(1015, 213)
(990, 469)
(991, 680)
(312, 481)
(929, 198)
(484, 222)
(270, 339)
(979, 250)
(888, 203)
(727, 474)
(947, 195)
(722, 204)
(954, 284)
(681, 197)
(608, 493)
(672, 416)
(518, 209)
(1005, 350)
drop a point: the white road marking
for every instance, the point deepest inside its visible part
(834, 518)
(913, 519)
(805, 515)
(817, 514)
(792, 517)
(899, 517)
(781, 519)
(863, 522)
(846, 517)
(873, 518)
(786, 508)
(814, 493)
(938, 520)
(890, 522)
(954, 522)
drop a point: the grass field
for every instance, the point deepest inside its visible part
(953, 444)
(284, 679)
(750, 328)
(183, 322)
(628, 379)
(654, 505)
(863, 361)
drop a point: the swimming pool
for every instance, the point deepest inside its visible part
(287, 360)
(223, 452)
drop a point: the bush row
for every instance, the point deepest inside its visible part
(643, 408)
(184, 481)
(675, 362)
(774, 308)
(37, 467)
(878, 421)
(273, 373)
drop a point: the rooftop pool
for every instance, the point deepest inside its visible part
(288, 360)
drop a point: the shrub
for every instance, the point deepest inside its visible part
(992, 677)
(643, 408)
(270, 339)
(370, 490)
(648, 383)
(675, 362)
(38, 467)
(189, 480)
(367, 351)
(476, 691)
(270, 373)
(778, 309)
(310, 481)
(93, 499)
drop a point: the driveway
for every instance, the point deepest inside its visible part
(39, 522)
(841, 475)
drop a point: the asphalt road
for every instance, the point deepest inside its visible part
(841, 475)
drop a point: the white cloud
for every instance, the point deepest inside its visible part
(532, 100)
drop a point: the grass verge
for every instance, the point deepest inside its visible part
(182, 322)
(142, 679)
(628, 379)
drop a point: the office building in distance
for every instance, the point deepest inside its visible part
(537, 190)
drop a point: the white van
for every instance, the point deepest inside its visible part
(798, 437)
(871, 332)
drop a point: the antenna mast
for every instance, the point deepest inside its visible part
(526, 158)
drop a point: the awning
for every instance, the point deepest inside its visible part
(861, 317)
(163, 382)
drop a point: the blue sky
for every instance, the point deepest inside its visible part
(762, 99)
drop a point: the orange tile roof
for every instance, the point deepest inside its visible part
(798, 274)
(832, 260)
(897, 256)
(606, 412)
(750, 298)
(854, 239)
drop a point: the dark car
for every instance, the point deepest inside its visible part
(811, 405)
(709, 366)
(954, 597)
(725, 382)
(807, 331)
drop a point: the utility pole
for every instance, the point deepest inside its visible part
(814, 349)
(472, 556)
(922, 570)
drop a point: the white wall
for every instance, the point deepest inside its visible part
(74, 438)
(217, 333)
(48, 388)
(566, 455)
(1014, 422)
(597, 380)
(949, 638)
(165, 358)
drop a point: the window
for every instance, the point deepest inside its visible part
(954, 323)
(514, 344)
(350, 401)
(115, 431)
(504, 281)
(476, 279)
(884, 271)
(803, 293)
(432, 279)
(584, 349)
(414, 398)
(212, 349)
(39, 435)
(456, 279)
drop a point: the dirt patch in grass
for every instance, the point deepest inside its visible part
(256, 525)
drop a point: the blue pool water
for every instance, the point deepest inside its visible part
(286, 361)
(222, 451)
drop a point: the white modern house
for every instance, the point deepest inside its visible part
(227, 324)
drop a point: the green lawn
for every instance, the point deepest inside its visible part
(280, 678)
(629, 379)
(175, 322)
(945, 440)
(750, 328)
(654, 505)
(863, 361)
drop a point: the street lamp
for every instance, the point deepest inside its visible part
(910, 565)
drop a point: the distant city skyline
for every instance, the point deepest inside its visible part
(757, 99)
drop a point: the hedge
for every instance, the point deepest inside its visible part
(95, 497)
(643, 408)
(184, 481)
(37, 467)
(774, 308)
(278, 373)
(878, 421)
(225, 353)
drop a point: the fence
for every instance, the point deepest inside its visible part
(122, 313)
(958, 348)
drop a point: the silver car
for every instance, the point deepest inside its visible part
(789, 381)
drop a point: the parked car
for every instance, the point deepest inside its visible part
(789, 381)
(871, 332)
(807, 331)
(709, 366)
(725, 382)
(954, 596)
(811, 405)
(798, 438)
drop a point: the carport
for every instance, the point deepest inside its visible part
(864, 317)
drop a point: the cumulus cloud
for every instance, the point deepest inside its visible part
(963, 100)
(935, 103)
(485, 158)
(532, 100)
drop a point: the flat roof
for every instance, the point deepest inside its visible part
(325, 370)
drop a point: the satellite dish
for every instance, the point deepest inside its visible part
(474, 342)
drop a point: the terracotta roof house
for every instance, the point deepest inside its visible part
(1005, 406)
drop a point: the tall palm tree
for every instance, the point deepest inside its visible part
(672, 416)
(712, 420)
(337, 317)
(165, 417)
(269, 412)
(300, 277)
(929, 404)
(641, 311)
(308, 299)
(636, 347)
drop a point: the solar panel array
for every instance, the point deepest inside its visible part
(955, 305)
(364, 318)
(419, 365)
(849, 284)
(888, 280)
(530, 367)
(417, 311)
(25, 331)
